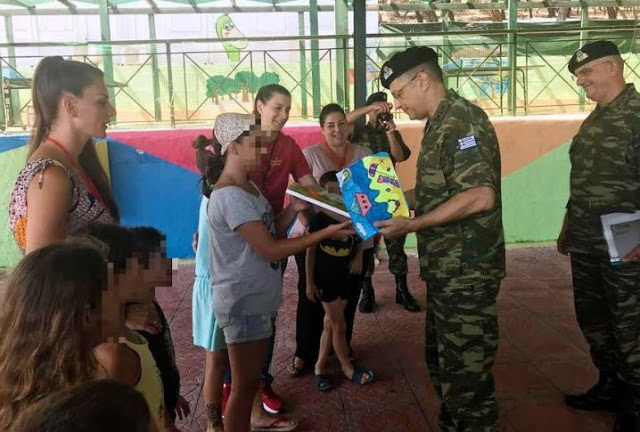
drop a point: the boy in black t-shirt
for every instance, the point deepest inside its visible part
(333, 267)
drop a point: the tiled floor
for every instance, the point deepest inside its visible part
(542, 355)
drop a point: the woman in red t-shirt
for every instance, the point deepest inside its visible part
(283, 155)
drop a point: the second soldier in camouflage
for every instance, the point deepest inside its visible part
(605, 178)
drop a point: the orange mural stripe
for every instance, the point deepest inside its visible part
(522, 141)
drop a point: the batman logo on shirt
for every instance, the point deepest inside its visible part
(336, 252)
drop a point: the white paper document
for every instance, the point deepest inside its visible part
(622, 233)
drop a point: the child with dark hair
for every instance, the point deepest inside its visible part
(96, 406)
(333, 269)
(246, 249)
(206, 333)
(140, 265)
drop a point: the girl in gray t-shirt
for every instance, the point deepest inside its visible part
(245, 257)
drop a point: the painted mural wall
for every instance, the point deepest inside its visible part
(219, 73)
(155, 180)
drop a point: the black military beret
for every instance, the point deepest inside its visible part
(590, 52)
(403, 61)
(376, 97)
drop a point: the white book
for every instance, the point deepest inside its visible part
(319, 197)
(622, 233)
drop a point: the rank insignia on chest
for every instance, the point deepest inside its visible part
(467, 142)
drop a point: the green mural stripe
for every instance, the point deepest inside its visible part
(534, 198)
(11, 162)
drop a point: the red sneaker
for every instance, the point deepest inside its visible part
(226, 392)
(270, 400)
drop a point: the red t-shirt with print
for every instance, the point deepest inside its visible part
(283, 158)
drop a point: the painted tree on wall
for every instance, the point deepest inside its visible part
(244, 82)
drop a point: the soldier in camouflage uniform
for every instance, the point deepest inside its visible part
(382, 136)
(460, 237)
(605, 178)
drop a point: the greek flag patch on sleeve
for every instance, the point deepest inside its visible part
(467, 142)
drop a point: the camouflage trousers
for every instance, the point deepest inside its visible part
(461, 340)
(608, 311)
(397, 257)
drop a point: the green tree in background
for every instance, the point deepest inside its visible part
(244, 81)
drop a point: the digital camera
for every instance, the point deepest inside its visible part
(384, 118)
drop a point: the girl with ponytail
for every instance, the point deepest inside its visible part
(63, 182)
(206, 333)
(245, 248)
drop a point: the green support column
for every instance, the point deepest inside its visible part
(342, 53)
(14, 113)
(303, 65)
(447, 47)
(315, 57)
(360, 53)
(3, 119)
(172, 108)
(584, 37)
(155, 70)
(513, 56)
(107, 59)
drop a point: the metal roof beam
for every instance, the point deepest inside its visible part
(527, 4)
(168, 10)
(153, 6)
(72, 8)
(194, 5)
(29, 10)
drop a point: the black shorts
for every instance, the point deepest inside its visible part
(335, 288)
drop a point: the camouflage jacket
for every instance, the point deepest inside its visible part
(605, 171)
(376, 140)
(459, 151)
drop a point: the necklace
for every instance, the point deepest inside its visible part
(93, 190)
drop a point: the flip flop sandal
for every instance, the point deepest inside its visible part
(359, 372)
(281, 424)
(323, 382)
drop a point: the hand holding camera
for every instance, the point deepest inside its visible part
(381, 109)
(385, 120)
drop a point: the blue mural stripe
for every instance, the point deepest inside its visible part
(153, 192)
(10, 142)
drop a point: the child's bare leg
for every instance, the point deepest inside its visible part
(325, 347)
(215, 366)
(246, 360)
(334, 313)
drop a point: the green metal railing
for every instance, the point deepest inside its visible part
(175, 82)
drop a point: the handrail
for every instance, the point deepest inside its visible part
(505, 32)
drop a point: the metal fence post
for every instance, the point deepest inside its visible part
(172, 113)
(513, 56)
